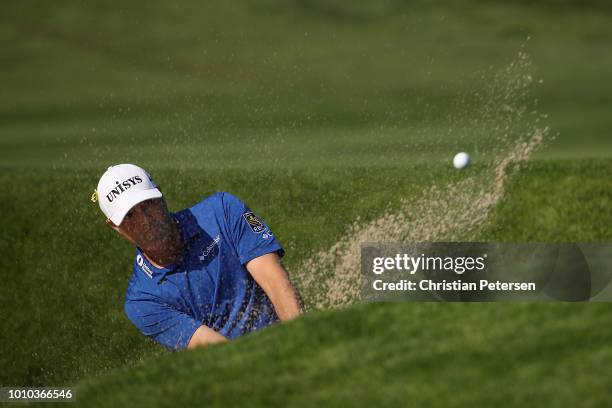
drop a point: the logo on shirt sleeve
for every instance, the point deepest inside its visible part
(257, 226)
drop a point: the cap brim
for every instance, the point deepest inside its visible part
(130, 201)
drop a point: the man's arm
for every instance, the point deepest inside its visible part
(166, 325)
(269, 273)
(205, 336)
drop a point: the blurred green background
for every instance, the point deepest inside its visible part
(315, 113)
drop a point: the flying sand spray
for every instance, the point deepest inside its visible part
(455, 212)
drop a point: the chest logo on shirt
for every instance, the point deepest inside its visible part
(209, 248)
(257, 226)
(143, 266)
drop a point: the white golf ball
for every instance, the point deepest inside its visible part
(461, 160)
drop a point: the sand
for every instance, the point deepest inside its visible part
(454, 212)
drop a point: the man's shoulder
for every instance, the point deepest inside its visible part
(219, 208)
(219, 200)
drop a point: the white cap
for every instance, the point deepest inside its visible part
(123, 186)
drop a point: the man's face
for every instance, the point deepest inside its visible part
(147, 225)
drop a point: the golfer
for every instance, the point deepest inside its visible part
(202, 275)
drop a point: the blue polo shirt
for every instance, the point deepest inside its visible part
(210, 285)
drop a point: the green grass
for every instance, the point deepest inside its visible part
(391, 355)
(294, 83)
(315, 113)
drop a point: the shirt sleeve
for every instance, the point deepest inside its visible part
(161, 322)
(250, 235)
